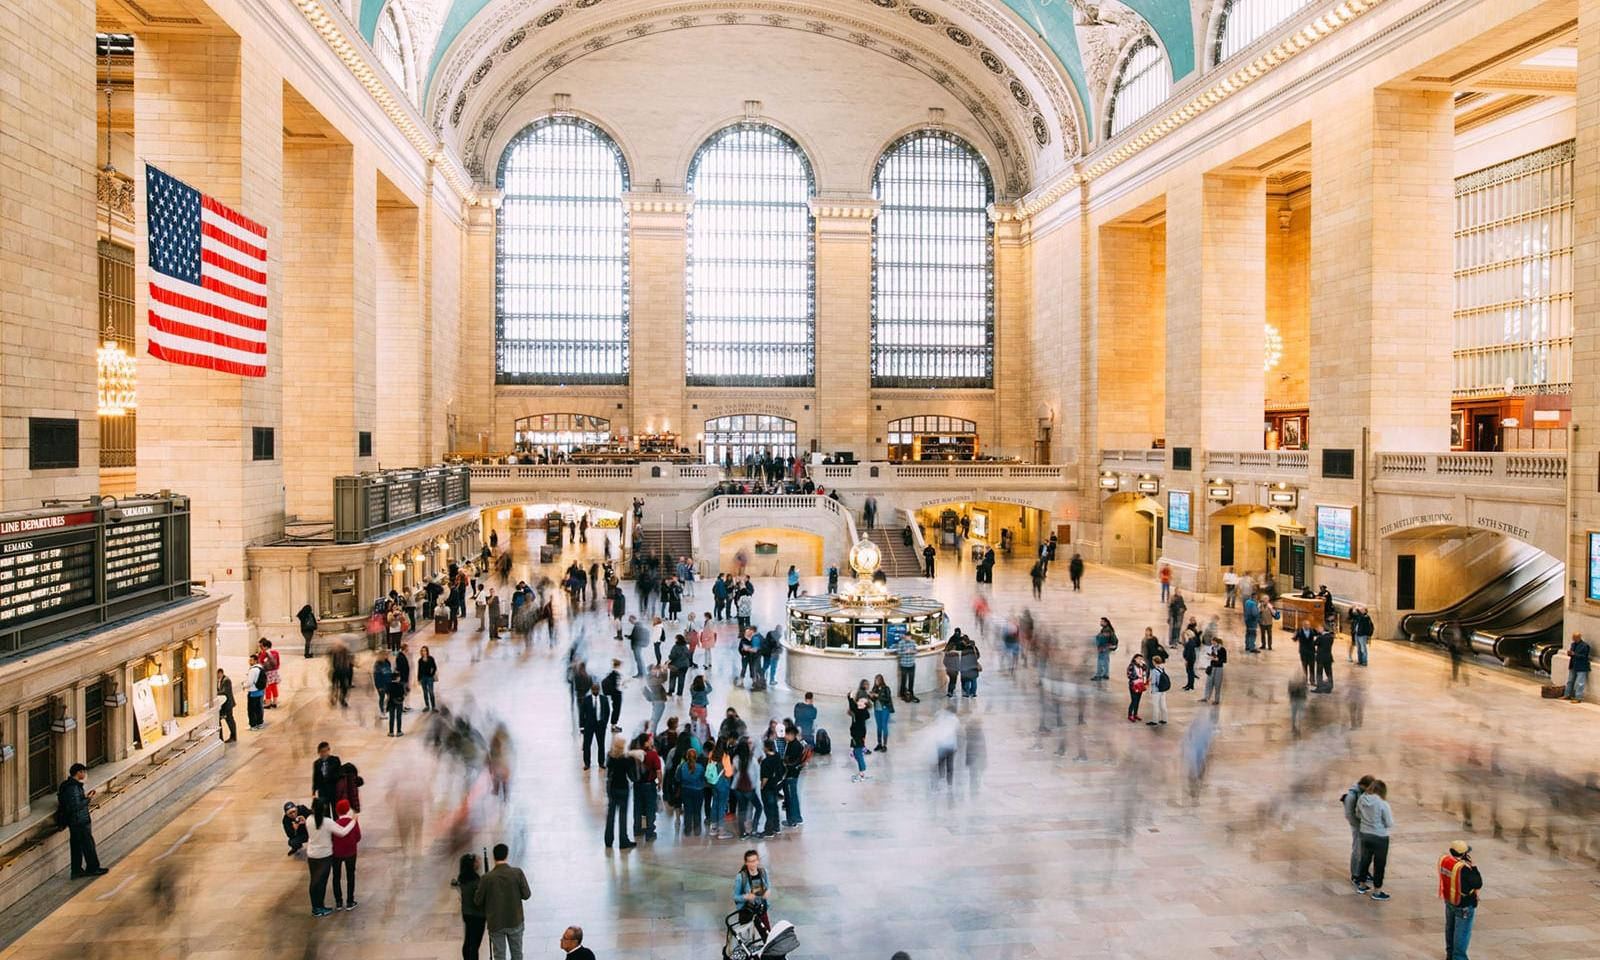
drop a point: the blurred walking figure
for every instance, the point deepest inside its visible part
(1075, 571)
(945, 733)
(1459, 883)
(1216, 660)
(341, 673)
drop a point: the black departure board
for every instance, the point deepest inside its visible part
(432, 494)
(378, 503)
(46, 574)
(402, 501)
(68, 570)
(135, 556)
(369, 505)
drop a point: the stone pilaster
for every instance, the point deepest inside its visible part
(657, 251)
(478, 326)
(321, 363)
(48, 326)
(1583, 614)
(1015, 420)
(404, 351)
(843, 410)
(1382, 221)
(208, 109)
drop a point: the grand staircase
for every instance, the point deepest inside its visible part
(668, 542)
(899, 560)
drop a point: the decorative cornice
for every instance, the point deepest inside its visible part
(637, 202)
(379, 88)
(844, 208)
(1304, 35)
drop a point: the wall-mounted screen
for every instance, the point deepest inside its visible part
(1336, 532)
(1178, 512)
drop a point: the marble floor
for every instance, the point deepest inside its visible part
(1109, 850)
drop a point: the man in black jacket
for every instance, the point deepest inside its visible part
(592, 715)
(1306, 639)
(1324, 662)
(225, 712)
(72, 812)
(325, 771)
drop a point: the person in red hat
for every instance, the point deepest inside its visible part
(344, 857)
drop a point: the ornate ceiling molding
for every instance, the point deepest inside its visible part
(1000, 124)
(506, 26)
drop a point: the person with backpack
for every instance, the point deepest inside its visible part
(1252, 623)
(1459, 883)
(255, 690)
(1105, 641)
(380, 680)
(308, 626)
(691, 788)
(718, 769)
(860, 710)
(745, 781)
(751, 888)
(1158, 685)
(1352, 816)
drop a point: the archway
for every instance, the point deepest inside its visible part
(1133, 529)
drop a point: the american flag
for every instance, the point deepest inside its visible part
(208, 280)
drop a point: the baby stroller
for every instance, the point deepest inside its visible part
(745, 941)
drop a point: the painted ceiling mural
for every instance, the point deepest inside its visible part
(1032, 73)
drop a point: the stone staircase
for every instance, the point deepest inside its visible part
(668, 542)
(899, 560)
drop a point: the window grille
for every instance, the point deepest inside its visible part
(1513, 276)
(749, 434)
(1242, 22)
(1142, 84)
(118, 435)
(932, 265)
(561, 259)
(751, 311)
(561, 432)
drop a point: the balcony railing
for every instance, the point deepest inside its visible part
(1143, 458)
(1539, 469)
(1262, 461)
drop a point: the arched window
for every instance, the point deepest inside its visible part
(933, 437)
(561, 257)
(390, 50)
(744, 434)
(932, 265)
(751, 313)
(562, 432)
(1142, 84)
(1242, 22)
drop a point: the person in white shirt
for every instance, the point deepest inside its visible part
(1230, 588)
(320, 831)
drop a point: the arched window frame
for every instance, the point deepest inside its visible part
(561, 432)
(748, 433)
(753, 344)
(1156, 90)
(394, 56)
(567, 367)
(883, 374)
(1250, 20)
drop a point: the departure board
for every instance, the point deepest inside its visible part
(135, 556)
(432, 494)
(46, 574)
(402, 501)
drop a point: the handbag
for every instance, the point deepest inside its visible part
(1140, 685)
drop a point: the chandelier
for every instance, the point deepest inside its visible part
(1272, 349)
(116, 379)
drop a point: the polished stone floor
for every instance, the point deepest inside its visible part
(1110, 849)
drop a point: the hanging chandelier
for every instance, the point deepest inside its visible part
(116, 378)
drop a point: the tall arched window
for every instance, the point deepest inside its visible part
(751, 313)
(561, 256)
(390, 50)
(932, 265)
(1241, 22)
(1142, 84)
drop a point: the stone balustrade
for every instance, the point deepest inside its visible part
(1295, 462)
(846, 476)
(1522, 468)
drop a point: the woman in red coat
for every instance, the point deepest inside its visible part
(344, 857)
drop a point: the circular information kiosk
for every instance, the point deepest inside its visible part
(834, 642)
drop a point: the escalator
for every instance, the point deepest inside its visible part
(1516, 618)
(1531, 574)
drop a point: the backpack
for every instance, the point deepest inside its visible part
(1163, 682)
(713, 773)
(261, 677)
(806, 750)
(824, 745)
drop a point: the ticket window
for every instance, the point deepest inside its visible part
(96, 746)
(336, 594)
(179, 673)
(41, 753)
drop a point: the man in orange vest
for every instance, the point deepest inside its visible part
(1459, 882)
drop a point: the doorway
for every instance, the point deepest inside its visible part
(1405, 582)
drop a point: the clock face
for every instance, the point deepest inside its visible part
(864, 557)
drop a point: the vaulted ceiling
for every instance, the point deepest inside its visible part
(1031, 74)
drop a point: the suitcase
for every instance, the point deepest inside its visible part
(441, 624)
(1552, 691)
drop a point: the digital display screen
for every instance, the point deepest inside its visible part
(1336, 532)
(1178, 517)
(869, 635)
(1594, 566)
(897, 632)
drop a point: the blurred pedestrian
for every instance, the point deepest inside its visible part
(1216, 661)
